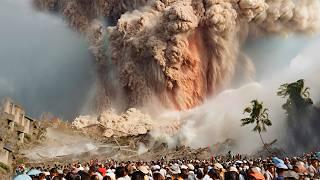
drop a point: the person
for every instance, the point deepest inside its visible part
(231, 175)
(42, 176)
(191, 175)
(157, 176)
(270, 172)
(313, 167)
(53, 173)
(281, 168)
(102, 170)
(106, 178)
(254, 173)
(137, 175)
(120, 173)
(184, 172)
(214, 174)
(219, 168)
(175, 172)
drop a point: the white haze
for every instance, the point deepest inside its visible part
(44, 66)
(219, 118)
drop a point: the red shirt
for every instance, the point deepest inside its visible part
(103, 171)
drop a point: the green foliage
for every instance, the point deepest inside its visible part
(298, 96)
(258, 115)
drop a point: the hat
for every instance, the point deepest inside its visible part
(239, 162)
(281, 166)
(257, 175)
(276, 160)
(291, 174)
(174, 169)
(163, 172)
(155, 168)
(183, 167)
(143, 169)
(256, 170)
(217, 166)
(234, 169)
(190, 167)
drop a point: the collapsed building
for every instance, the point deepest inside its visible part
(16, 127)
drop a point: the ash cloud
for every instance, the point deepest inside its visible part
(178, 53)
(44, 65)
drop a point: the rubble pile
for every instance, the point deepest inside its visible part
(132, 122)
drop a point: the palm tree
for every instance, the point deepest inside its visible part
(298, 95)
(258, 115)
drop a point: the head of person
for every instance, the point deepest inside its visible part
(120, 172)
(94, 177)
(137, 175)
(231, 175)
(184, 171)
(214, 174)
(157, 176)
(281, 168)
(42, 176)
(271, 168)
(106, 178)
(54, 172)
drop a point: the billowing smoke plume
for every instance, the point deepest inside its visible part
(178, 52)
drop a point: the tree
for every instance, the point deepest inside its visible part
(302, 116)
(298, 95)
(259, 116)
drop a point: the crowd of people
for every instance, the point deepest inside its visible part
(215, 168)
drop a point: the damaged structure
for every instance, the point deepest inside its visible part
(16, 125)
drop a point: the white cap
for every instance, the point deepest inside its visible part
(190, 167)
(183, 167)
(217, 166)
(155, 168)
(281, 166)
(234, 169)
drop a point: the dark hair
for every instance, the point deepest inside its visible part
(231, 175)
(158, 176)
(138, 175)
(54, 170)
(72, 176)
(94, 177)
(106, 178)
(120, 172)
(57, 178)
(213, 174)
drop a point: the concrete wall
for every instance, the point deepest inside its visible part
(14, 109)
(27, 126)
(4, 156)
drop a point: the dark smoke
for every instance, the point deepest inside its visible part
(43, 64)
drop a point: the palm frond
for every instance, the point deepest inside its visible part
(266, 122)
(306, 92)
(246, 121)
(247, 110)
(257, 128)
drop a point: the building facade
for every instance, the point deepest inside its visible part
(14, 123)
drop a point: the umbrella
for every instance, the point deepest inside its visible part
(34, 172)
(276, 160)
(22, 177)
